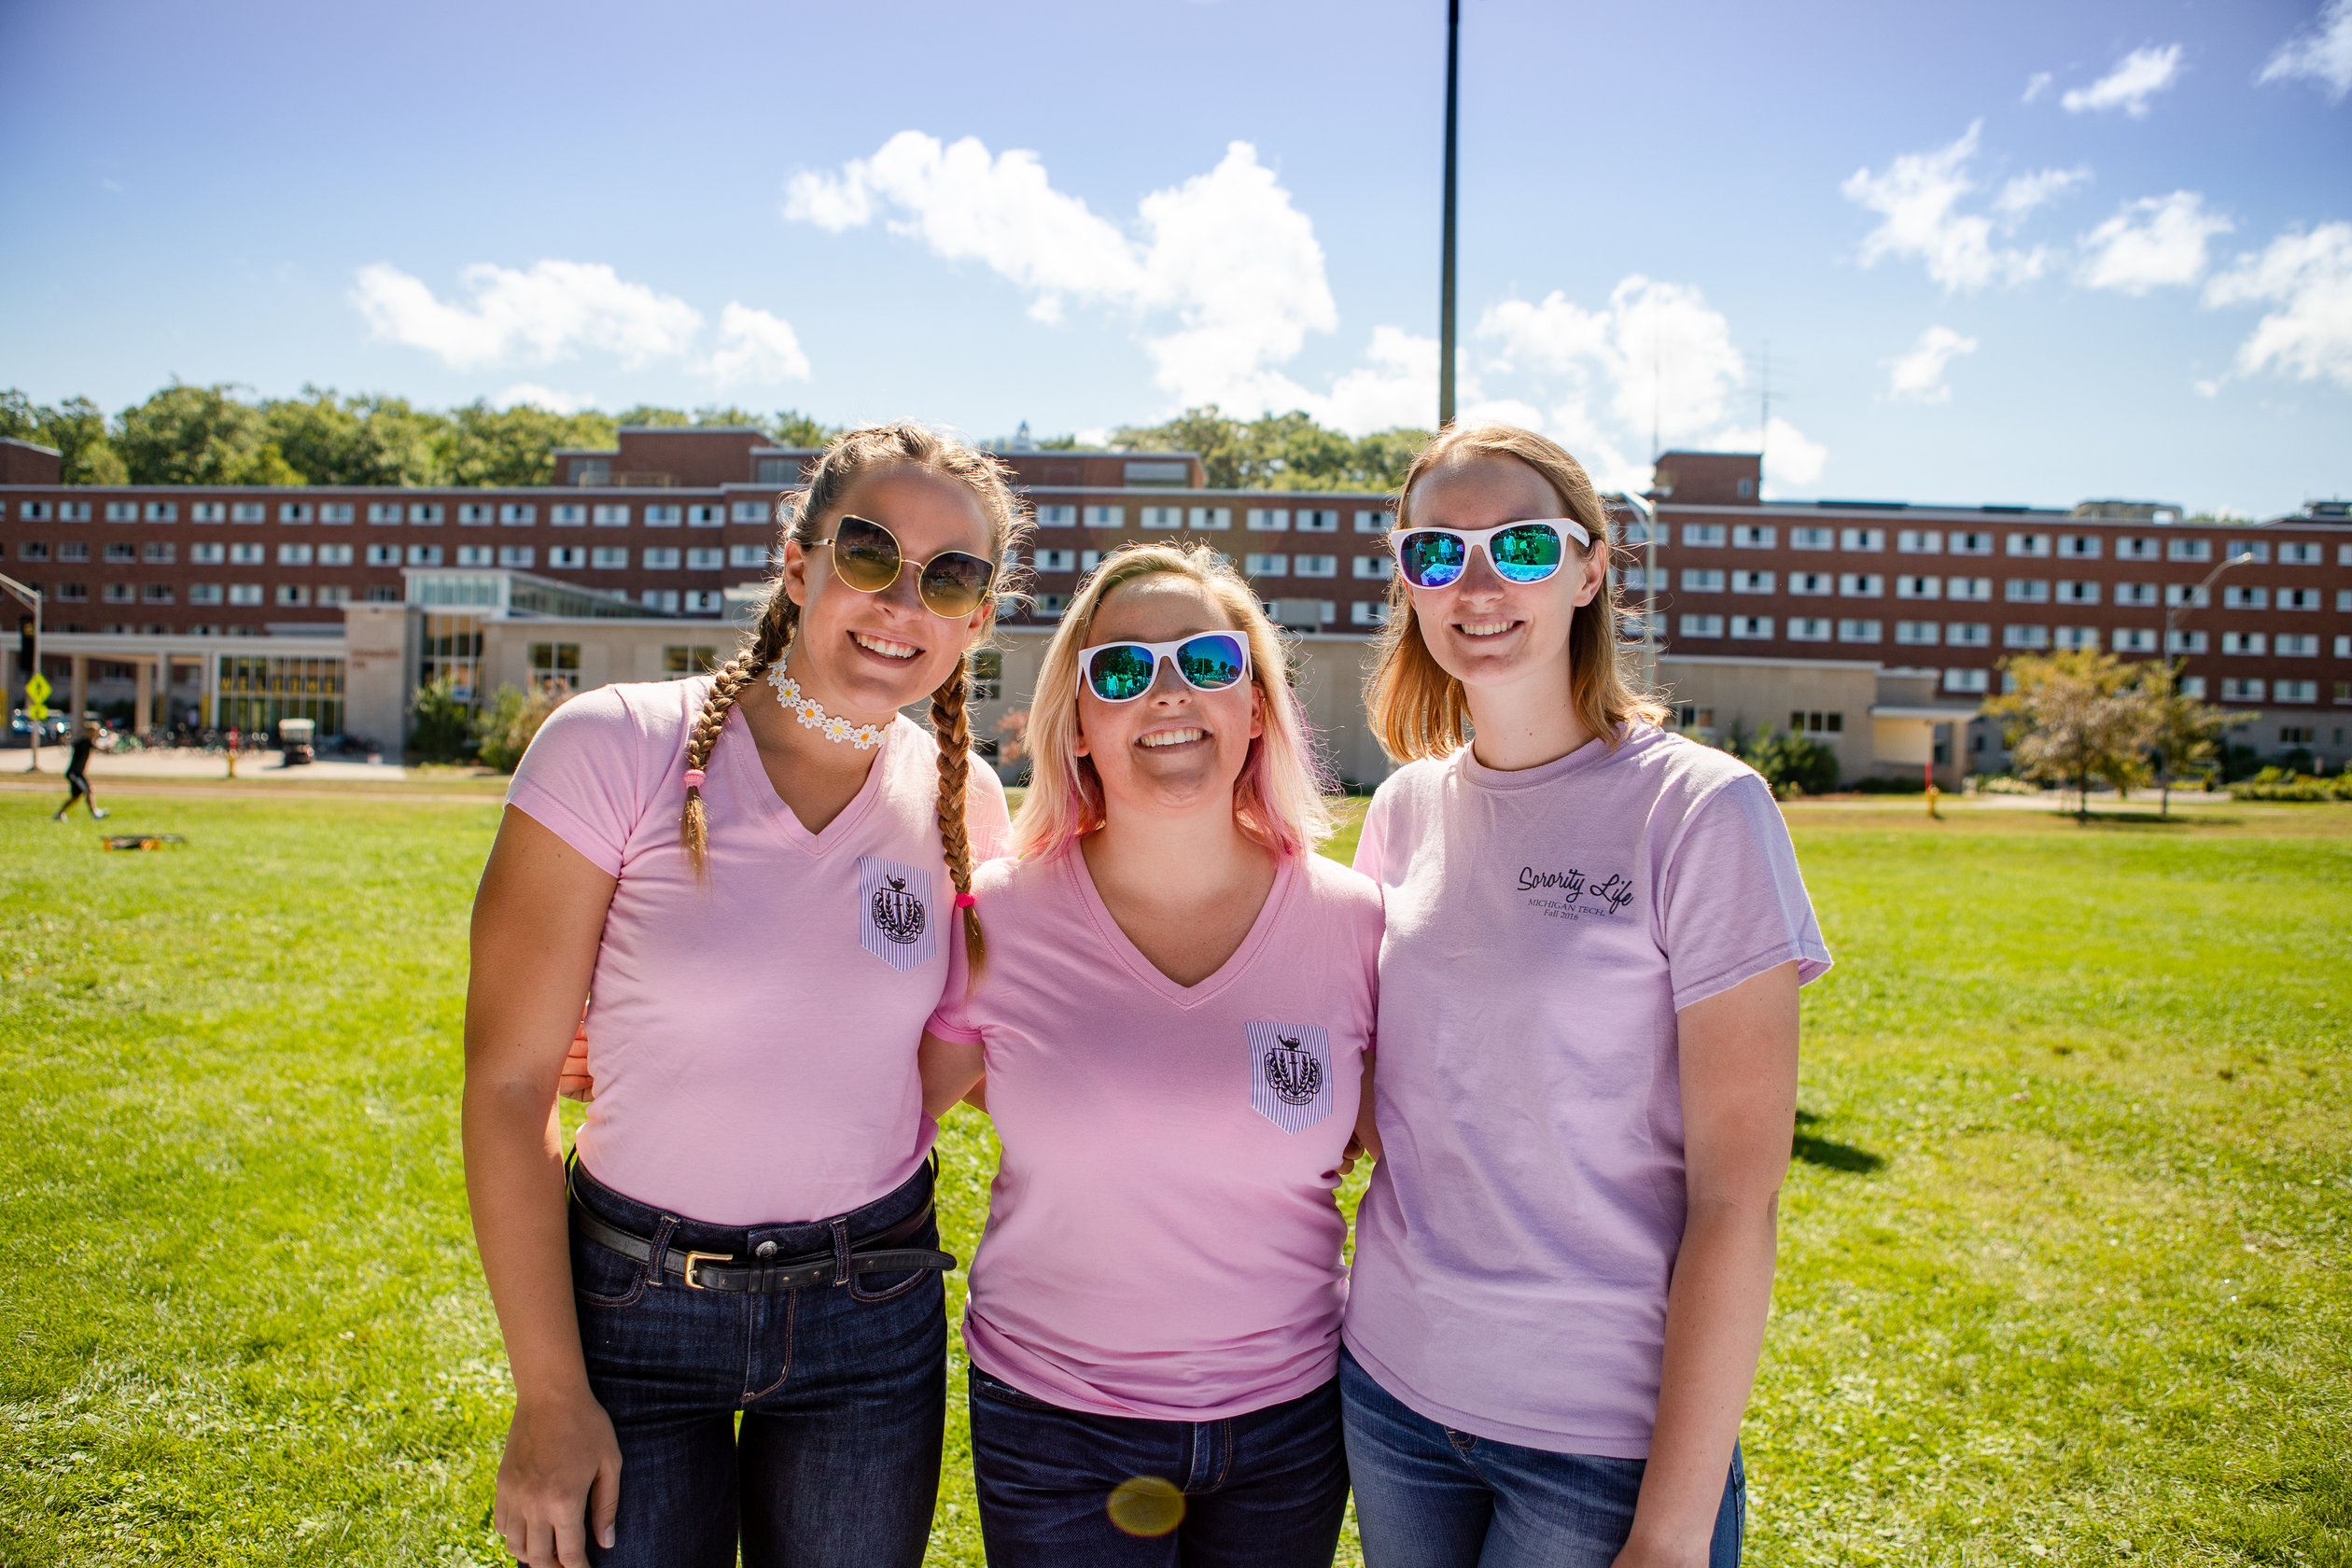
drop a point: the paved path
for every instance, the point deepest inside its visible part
(191, 763)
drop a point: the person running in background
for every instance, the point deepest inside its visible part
(77, 775)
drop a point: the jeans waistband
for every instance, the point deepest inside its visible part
(791, 1239)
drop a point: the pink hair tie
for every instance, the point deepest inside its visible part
(965, 900)
(693, 778)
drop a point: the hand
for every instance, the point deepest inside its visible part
(559, 1476)
(1348, 1156)
(1643, 1554)
(576, 1084)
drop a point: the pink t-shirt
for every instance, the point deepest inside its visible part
(753, 1039)
(1544, 927)
(1163, 1241)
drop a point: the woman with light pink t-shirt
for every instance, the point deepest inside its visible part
(728, 1316)
(1174, 1021)
(1595, 936)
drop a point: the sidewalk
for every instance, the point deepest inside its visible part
(193, 763)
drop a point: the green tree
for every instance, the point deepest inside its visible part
(199, 435)
(1791, 764)
(661, 418)
(1279, 451)
(371, 440)
(503, 731)
(2074, 717)
(484, 446)
(75, 427)
(440, 728)
(2182, 731)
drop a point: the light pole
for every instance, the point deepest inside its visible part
(2173, 669)
(31, 597)
(1445, 268)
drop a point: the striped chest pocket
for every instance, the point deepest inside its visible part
(1290, 1073)
(894, 913)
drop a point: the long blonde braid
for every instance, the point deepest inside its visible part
(951, 721)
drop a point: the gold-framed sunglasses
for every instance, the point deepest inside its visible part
(866, 555)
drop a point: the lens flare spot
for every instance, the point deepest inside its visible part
(1146, 1505)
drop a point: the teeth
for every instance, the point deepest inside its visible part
(1171, 737)
(1483, 628)
(883, 646)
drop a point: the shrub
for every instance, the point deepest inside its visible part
(504, 730)
(1790, 764)
(2275, 784)
(1905, 785)
(442, 727)
(2002, 784)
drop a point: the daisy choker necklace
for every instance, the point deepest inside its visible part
(812, 714)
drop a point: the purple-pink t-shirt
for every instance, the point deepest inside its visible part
(1163, 1240)
(753, 1038)
(1514, 1249)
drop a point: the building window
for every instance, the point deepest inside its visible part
(475, 515)
(294, 554)
(681, 660)
(567, 558)
(1918, 634)
(1802, 628)
(1758, 628)
(1266, 566)
(2179, 593)
(2185, 642)
(1857, 631)
(2238, 689)
(2078, 639)
(609, 558)
(2245, 598)
(1972, 681)
(2078, 547)
(1315, 566)
(1753, 581)
(664, 516)
(1266, 520)
(158, 553)
(38, 511)
(1368, 612)
(2299, 598)
(518, 557)
(334, 512)
(2295, 735)
(1690, 716)
(705, 517)
(1919, 587)
(2258, 549)
(2190, 550)
(710, 559)
(556, 664)
(79, 549)
(2250, 643)
(1861, 585)
(293, 594)
(611, 516)
(1315, 521)
(2079, 593)
(1756, 536)
(1106, 517)
(1373, 569)
(1702, 625)
(1703, 579)
(1058, 560)
(570, 514)
(289, 511)
(1812, 539)
(32, 550)
(334, 594)
(73, 592)
(1049, 607)
(384, 554)
(475, 555)
(244, 593)
(1163, 517)
(2026, 590)
(2035, 638)
(2292, 555)
(248, 555)
(1971, 544)
(2134, 639)
(1059, 515)
(2135, 592)
(383, 513)
(123, 512)
(660, 560)
(2298, 645)
(987, 676)
(753, 557)
(198, 511)
(334, 555)
(778, 471)
(162, 511)
(2134, 549)
(1374, 522)
(1969, 634)
(1916, 542)
(662, 599)
(1817, 722)
(754, 511)
(1703, 536)
(155, 593)
(203, 593)
(2029, 545)
(1637, 579)
(426, 514)
(1089, 559)
(1645, 534)
(1209, 519)
(1867, 540)
(423, 554)
(517, 514)
(122, 549)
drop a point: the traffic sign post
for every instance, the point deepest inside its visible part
(36, 686)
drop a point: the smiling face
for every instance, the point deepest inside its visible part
(865, 655)
(1174, 747)
(1482, 629)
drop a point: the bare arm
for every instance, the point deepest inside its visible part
(952, 1073)
(538, 919)
(1739, 1098)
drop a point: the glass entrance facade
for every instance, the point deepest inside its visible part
(258, 691)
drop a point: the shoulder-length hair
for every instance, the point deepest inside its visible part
(1278, 799)
(1419, 711)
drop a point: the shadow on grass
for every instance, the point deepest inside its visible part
(1830, 1154)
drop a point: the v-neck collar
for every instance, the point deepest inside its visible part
(742, 755)
(1143, 969)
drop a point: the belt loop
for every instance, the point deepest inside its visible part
(841, 1249)
(657, 1260)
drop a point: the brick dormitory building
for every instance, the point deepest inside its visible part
(1877, 627)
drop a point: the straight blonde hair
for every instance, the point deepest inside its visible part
(1419, 711)
(1278, 797)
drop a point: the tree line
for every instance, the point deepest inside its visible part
(213, 435)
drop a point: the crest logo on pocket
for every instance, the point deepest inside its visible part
(1290, 1073)
(893, 915)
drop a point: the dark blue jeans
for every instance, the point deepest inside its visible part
(842, 1390)
(1427, 1496)
(1266, 1489)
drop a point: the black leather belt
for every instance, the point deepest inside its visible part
(874, 1254)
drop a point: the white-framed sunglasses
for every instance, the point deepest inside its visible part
(1120, 672)
(1528, 550)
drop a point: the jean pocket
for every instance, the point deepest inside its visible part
(1005, 1394)
(898, 1282)
(602, 1277)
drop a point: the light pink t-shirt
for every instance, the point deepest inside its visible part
(1544, 927)
(753, 1039)
(1163, 1241)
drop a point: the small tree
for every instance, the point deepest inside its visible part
(442, 730)
(2182, 731)
(503, 731)
(1791, 764)
(2075, 717)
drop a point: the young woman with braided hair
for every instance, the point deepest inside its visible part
(752, 874)
(1173, 1025)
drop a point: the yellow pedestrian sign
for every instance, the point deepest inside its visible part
(36, 692)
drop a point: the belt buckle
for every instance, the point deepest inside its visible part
(692, 1258)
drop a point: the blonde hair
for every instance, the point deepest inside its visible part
(1419, 711)
(849, 457)
(1278, 799)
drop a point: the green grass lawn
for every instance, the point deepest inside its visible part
(2066, 1241)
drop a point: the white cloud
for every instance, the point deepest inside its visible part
(2309, 276)
(551, 312)
(1224, 260)
(755, 347)
(2025, 192)
(2324, 55)
(534, 395)
(1918, 198)
(1790, 457)
(2151, 243)
(1918, 376)
(2138, 76)
(2035, 85)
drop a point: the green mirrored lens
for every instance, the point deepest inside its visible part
(1211, 663)
(1526, 555)
(1121, 673)
(1431, 560)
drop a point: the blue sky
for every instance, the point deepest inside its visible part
(1993, 252)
